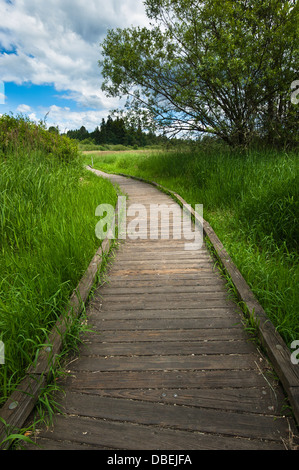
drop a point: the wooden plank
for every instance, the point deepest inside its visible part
(151, 249)
(175, 362)
(141, 303)
(158, 263)
(167, 283)
(152, 243)
(160, 271)
(137, 314)
(137, 437)
(146, 289)
(144, 231)
(160, 324)
(160, 244)
(143, 297)
(152, 305)
(155, 257)
(261, 400)
(154, 254)
(183, 277)
(191, 335)
(169, 348)
(248, 425)
(198, 379)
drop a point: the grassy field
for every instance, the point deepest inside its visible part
(250, 200)
(47, 239)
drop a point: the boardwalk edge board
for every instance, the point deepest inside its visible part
(18, 407)
(274, 345)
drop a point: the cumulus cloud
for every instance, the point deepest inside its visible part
(57, 42)
(24, 108)
(66, 119)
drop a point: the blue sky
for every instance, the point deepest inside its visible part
(49, 52)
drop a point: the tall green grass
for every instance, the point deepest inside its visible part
(251, 202)
(47, 239)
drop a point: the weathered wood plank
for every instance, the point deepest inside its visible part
(152, 348)
(157, 297)
(137, 437)
(199, 379)
(146, 289)
(161, 284)
(196, 276)
(183, 418)
(175, 362)
(187, 262)
(206, 303)
(137, 313)
(261, 400)
(160, 271)
(161, 324)
(170, 335)
(157, 254)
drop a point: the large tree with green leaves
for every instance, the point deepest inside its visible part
(218, 67)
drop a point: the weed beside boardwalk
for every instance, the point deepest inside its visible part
(47, 238)
(251, 200)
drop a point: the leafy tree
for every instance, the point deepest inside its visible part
(220, 68)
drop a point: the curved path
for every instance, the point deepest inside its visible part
(169, 364)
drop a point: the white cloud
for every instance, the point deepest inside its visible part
(57, 42)
(24, 108)
(66, 119)
(33, 117)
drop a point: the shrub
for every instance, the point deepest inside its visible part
(19, 135)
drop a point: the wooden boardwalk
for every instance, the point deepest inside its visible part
(169, 365)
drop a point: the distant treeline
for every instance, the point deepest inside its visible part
(116, 132)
